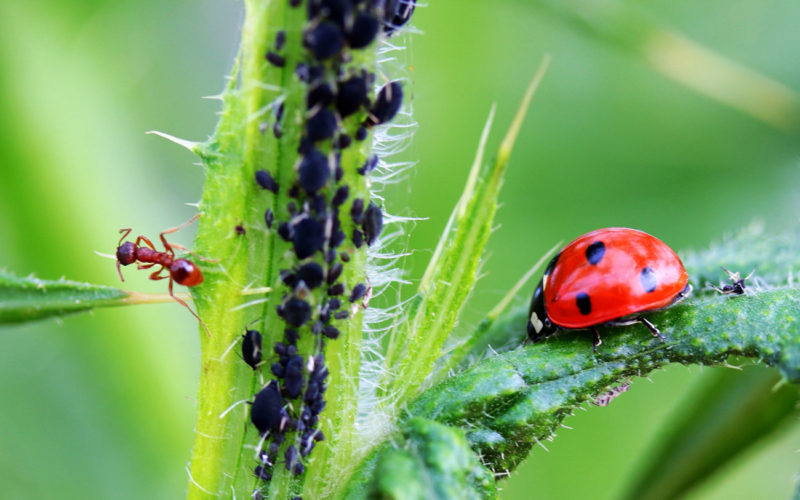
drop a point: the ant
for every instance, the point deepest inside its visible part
(182, 271)
(737, 287)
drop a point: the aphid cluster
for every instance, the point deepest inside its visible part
(323, 223)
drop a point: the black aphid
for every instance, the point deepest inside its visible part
(321, 126)
(311, 273)
(269, 218)
(337, 238)
(396, 13)
(390, 98)
(331, 332)
(319, 95)
(351, 95)
(363, 31)
(358, 292)
(343, 141)
(251, 348)
(290, 456)
(285, 231)
(369, 165)
(276, 59)
(342, 314)
(277, 369)
(344, 256)
(357, 211)
(308, 236)
(267, 412)
(292, 335)
(314, 171)
(358, 238)
(340, 196)
(266, 181)
(293, 377)
(240, 230)
(262, 473)
(296, 312)
(334, 272)
(361, 133)
(336, 289)
(373, 223)
(280, 40)
(324, 41)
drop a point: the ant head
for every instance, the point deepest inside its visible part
(185, 272)
(126, 253)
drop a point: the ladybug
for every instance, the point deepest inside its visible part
(608, 276)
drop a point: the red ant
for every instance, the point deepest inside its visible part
(182, 271)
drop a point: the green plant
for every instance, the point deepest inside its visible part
(231, 158)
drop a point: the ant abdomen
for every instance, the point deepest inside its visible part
(185, 272)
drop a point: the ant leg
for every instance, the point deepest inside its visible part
(125, 232)
(155, 276)
(184, 304)
(145, 266)
(119, 270)
(146, 242)
(176, 228)
(650, 326)
(596, 340)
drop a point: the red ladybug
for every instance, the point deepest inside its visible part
(607, 276)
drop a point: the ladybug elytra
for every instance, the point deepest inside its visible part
(607, 276)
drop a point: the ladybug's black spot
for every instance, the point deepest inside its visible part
(584, 303)
(595, 252)
(552, 264)
(648, 279)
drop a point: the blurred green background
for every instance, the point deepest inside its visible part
(102, 405)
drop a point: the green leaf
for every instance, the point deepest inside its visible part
(30, 299)
(431, 461)
(452, 271)
(734, 411)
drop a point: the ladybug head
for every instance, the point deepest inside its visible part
(539, 325)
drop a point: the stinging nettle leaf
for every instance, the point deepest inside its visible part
(29, 299)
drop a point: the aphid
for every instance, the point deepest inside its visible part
(351, 95)
(251, 348)
(331, 332)
(320, 95)
(334, 272)
(276, 59)
(324, 41)
(336, 289)
(314, 171)
(369, 165)
(308, 236)
(321, 126)
(280, 40)
(363, 31)
(361, 133)
(608, 276)
(262, 473)
(269, 218)
(340, 196)
(296, 312)
(240, 230)
(181, 271)
(390, 98)
(358, 291)
(267, 412)
(396, 14)
(357, 211)
(343, 141)
(311, 274)
(737, 285)
(373, 223)
(605, 398)
(358, 238)
(266, 181)
(293, 377)
(291, 457)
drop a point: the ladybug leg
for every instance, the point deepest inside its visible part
(650, 326)
(596, 340)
